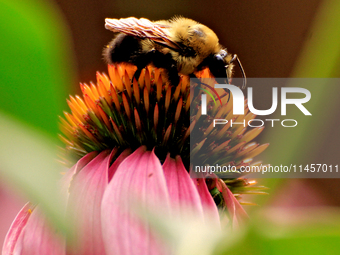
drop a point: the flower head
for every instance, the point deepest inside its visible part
(123, 113)
(131, 142)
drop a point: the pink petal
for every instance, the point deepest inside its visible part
(39, 238)
(209, 207)
(113, 168)
(237, 213)
(10, 204)
(67, 178)
(16, 228)
(86, 192)
(139, 178)
(182, 191)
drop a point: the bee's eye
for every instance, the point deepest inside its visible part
(219, 58)
(223, 53)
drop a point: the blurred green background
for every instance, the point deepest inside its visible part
(47, 47)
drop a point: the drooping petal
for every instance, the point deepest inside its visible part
(38, 237)
(16, 228)
(138, 183)
(67, 178)
(182, 191)
(237, 213)
(86, 192)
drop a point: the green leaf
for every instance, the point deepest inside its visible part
(35, 63)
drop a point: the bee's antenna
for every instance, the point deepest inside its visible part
(235, 57)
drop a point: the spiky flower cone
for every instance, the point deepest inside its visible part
(119, 113)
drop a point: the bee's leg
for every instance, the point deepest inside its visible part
(137, 73)
(218, 69)
(196, 79)
(199, 84)
(173, 75)
(223, 78)
(166, 61)
(141, 61)
(159, 60)
(227, 81)
(202, 84)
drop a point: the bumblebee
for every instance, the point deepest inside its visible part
(179, 45)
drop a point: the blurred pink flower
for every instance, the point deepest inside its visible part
(10, 204)
(99, 200)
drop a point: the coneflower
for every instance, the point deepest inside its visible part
(131, 141)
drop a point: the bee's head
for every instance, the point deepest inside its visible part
(224, 64)
(220, 64)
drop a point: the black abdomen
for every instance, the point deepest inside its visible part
(123, 48)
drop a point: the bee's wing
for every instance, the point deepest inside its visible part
(143, 28)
